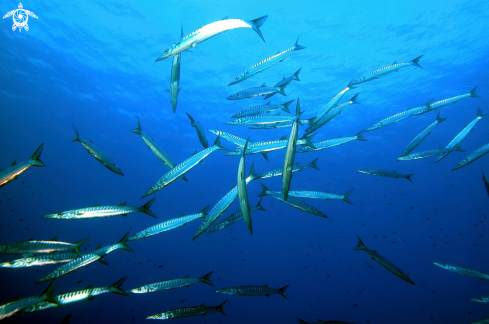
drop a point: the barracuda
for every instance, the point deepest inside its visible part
(12, 172)
(285, 81)
(234, 218)
(463, 134)
(477, 154)
(481, 300)
(175, 77)
(320, 195)
(429, 153)
(464, 271)
(230, 137)
(223, 204)
(329, 106)
(260, 120)
(168, 225)
(242, 192)
(295, 167)
(184, 167)
(188, 311)
(200, 131)
(261, 109)
(292, 201)
(172, 284)
(211, 30)
(422, 136)
(103, 211)
(267, 63)
(97, 153)
(160, 154)
(486, 183)
(31, 261)
(386, 70)
(386, 173)
(253, 291)
(280, 125)
(332, 142)
(32, 246)
(452, 100)
(290, 152)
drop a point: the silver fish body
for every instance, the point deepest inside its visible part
(233, 219)
(35, 246)
(295, 167)
(40, 260)
(330, 105)
(200, 131)
(290, 152)
(242, 192)
(253, 291)
(429, 153)
(261, 109)
(477, 154)
(452, 100)
(422, 136)
(386, 70)
(260, 120)
(175, 81)
(172, 284)
(332, 142)
(262, 90)
(400, 116)
(386, 173)
(320, 195)
(188, 311)
(12, 172)
(464, 271)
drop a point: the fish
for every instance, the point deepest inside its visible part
(262, 90)
(295, 167)
(33, 246)
(260, 120)
(483, 321)
(285, 81)
(332, 142)
(98, 211)
(234, 218)
(486, 183)
(322, 322)
(175, 77)
(189, 311)
(184, 167)
(330, 105)
(320, 195)
(383, 261)
(168, 225)
(160, 154)
(386, 173)
(463, 271)
(172, 284)
(261, 109)
(223, 204)
(253, 291)
(200, 131)
(211, 30)
(242, 192)
(481, 300)
(267, 63)
(422, 136)
(16, 306)
(463, 133)
(452, 100)
(429, 153)
(230, 137)
(292, 201)
(290, 152)
(279, 124)
(386, 70)
(39, 260)
(97, 153)
(12, 172)
(477, 154)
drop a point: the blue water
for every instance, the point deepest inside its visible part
(92, 63)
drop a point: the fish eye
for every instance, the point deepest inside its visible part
(166, 51)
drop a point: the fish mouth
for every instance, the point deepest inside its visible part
(234, 82)
(162, 57)
(230, 98)
(228, 123)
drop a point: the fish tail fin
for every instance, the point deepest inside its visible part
(219, 308)
(458, 148)
(48, 292)
(301, 321)
(252, 173)
(264, 190)
(137, 130)
(345, 197)
(354, 100)
(116, 287)
(76, 248)
(35, 157)
(295, 76)
(285, 106)
(282, 291)
(416, 61)
(351, 84)
(439, 119)
(307, 141)
(409, 177)
(298, 47)
(473, 94)
(190, 117)
(77, 138)
(360, 245)
(204, 211)
(256, 24)
(103, 261)
(281, 91)
(145, 208)
(360, 136)
(259, 206)
(123, 243)
(217, 143)
(480, 115)
(206, 279)
(313, 164)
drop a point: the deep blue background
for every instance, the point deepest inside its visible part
(92, 62)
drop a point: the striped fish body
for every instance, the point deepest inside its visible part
(256, 92)
(71, 266)
(188, 311)
(229, 137)
(242, 192)
(12, 172)
(335, 111)
(295, 167)
(386, 173)
(33, 246)
(399, 116)
(260, 120)
(452, 100)
(31, 261)
(200, 131)
(252, 291)
(290, 152)
(481, 300)
(477, 154)
(166, 285)
(267, 146)
(231, 220)
(96, 212)
(261, 109)
(317, 195)
(330, 105)
(386, 70)
(331, 143)
(421, 136)
(175, 82)
(464, 271)
(483, 321)
(428, 153)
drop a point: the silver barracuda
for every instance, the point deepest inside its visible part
(223, 204)
(429, 153)
(260, 120)
(86, 259)
(188, 311)
(330, 105)
(452, 100)
(16, 306)
(160, 154)
(267, 63)
(402, 115)
(464, 271)
(234, 218)
(253, 291)
(12, 172)
(242, 192)
(184, 167)
(422, 136)
(262, 90)
(175, 77)
(383, 261)
(477, 154)
(168, 225)
(39, 260)
(211, 30)
(320, 195)
(285, 81)
(386, 173)
(33, 246)
(386, 70)
(279, 125)
(97, 153)
(292, 201)
(200, 131)
(481, 300)
(103, 211)
(295, 167)
(332, 142)
(230, 137)
(486, 183)
(78, 295)
(335, 111)
(261, 109)
(463, 134)
(290, 152)
(172, 284)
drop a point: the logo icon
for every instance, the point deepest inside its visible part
(20, 17)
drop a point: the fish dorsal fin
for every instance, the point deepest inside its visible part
(14, 299)
(123, 204)
(263, 85)
(195, 152)
(91, 141)
(268, 103)
(181, 31)
(202, 304)
(96, 205)
(187, 276)
(90, 298)
(98, 247)
(227, 17)
(283, 137)
(89, 286)
(395, 62)
(266, 285)
(54, 238)
(277, 114)
(14, 163)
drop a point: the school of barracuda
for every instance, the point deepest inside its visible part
(45, 252)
